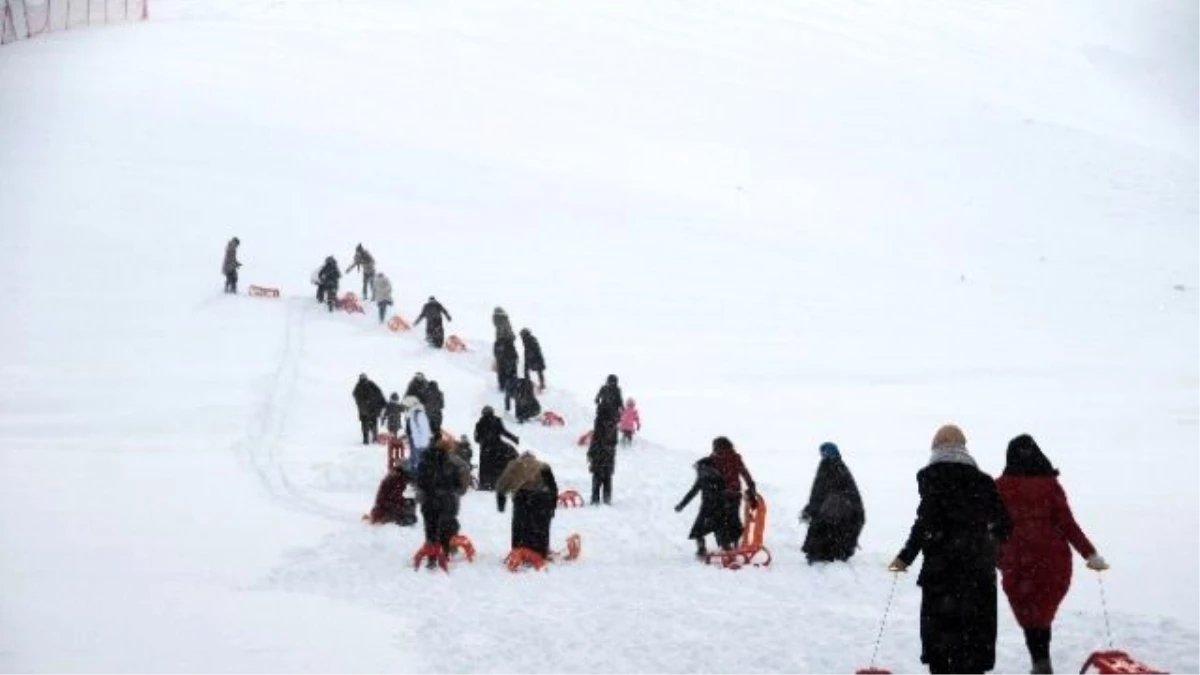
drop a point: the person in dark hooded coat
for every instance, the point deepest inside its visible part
(834, 512)
(418, 387)
(494, 453)
(440, 484)
(369, 400)
(1035, 562)
(230, 265)
(535, 361)
(435, 403)
(432, 314)
(327, 279)
(609, 401)
(711, 518)
(521, 395)
(602, 463)
(960, 520)
(505, 352)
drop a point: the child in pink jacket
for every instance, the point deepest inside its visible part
(630, 421)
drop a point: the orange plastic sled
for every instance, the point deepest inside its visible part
(523, 557)
(455, 344)
(570, 499)
(431, 552)
(461, 542)
(264, 292)
(397, 324)
(349, 303)
(751, 550)
(552, 419)
(1116, 661)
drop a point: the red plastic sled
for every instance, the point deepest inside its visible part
(1113, 661)
(455, 344)
(264, 292)
(751, 550)
(570, 499)
(462, 543)
(397, 324)
(349, 303)
(431, 552)
(522, 557)
(552, 419)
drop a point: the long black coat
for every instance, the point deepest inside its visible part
(960, 520)
(711, 488)
(432, 314)
(505, 351)
(520, 392)
(494, 453)
(369, 399)
(834, 513)
(602, 456)
(532, 512)
(534, 360)
(440, 483)
(609, 402)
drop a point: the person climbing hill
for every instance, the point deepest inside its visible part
(363, 259)
(834, 512)
(230, 265)
(369, 400)
(432, 314)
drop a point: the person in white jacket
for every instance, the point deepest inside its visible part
(420, 435)
(381, 288)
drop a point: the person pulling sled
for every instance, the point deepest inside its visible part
(364, 260)
(711, 518)
(535, 500)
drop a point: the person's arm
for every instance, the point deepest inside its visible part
(508, 434)
(691, 494)
(443, 310)
(917, 535)
(420, 317)
(1064, 520)
(548, 479)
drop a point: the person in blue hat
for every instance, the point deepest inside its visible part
(834, 512)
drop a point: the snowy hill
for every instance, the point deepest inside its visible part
(791, 223)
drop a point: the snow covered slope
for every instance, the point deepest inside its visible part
(797, 222)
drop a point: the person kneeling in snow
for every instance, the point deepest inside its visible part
(535, 499)
(391, 506)
(834, 512)
(711, 520)
(440, 483)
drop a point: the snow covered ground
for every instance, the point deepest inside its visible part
(786, 223)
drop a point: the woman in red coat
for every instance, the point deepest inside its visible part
(1036, 559)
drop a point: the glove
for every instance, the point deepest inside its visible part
(678, 508)
(1096, 562)
(898, 565)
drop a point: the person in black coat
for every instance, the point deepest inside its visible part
(417, 387)
(520, 392)
(369, 400)
(505, 352)
(711, 488)
(327, 282)
(602, 463)
(435, 403)
(432, 314)
(535, 362)
(494, 453)
(535, 500)
(960, 522)
(440, 483)
(834, 512)
(609, 401)
(393, 415)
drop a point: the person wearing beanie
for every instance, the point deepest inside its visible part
(959, 520)
(733, 471)
(834, 512)
(1035, 562)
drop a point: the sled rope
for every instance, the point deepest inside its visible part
(883, 622)
(1104, 606)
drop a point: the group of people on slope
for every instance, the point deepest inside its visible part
(418, 415)
(520, 395)
(968, 526)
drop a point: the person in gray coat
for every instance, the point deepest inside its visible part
(381, 287)
(363, 259)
